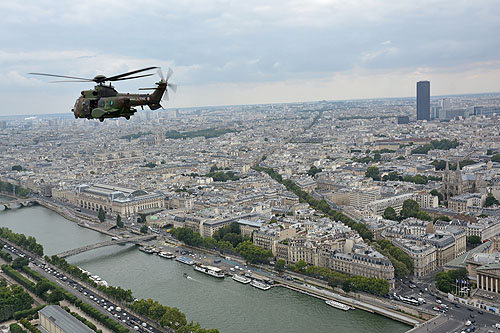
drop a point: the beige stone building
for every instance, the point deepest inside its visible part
(423, 255)
(467, 201)
(117, 200)
(488, 277)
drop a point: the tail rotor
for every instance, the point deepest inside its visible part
(172, 86)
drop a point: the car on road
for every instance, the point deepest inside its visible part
(480, 312)
(457, 306)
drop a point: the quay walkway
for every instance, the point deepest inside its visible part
(327, 295)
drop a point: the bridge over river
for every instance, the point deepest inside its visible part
(135, 240)
(18, 202)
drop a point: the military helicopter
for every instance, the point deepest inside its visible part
(105, 102)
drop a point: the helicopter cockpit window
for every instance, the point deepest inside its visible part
(111, 103)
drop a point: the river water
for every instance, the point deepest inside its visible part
(223, 304)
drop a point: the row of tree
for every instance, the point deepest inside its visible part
(52, 293)
(13, 298)
(443, 144)
(374, 173)
(117, 293)
(320, 205)
(441, 164)
(336, 279)
(228, 241)
(402, 263)
(168, 316)
(28, 243)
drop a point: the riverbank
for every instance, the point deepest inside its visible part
(304, 290)
(319, 289)
(221, 303)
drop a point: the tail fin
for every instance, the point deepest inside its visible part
(157, 94)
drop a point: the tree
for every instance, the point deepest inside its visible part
(173, 318)
(495, 158)
(313, 171)
(55, 296)
(411, 209)
(390, 214)
(101, 215)
(473, 241)
(372, 172)
(144, 229)
(435, 193)
(20, 262)
(17, 168)
(300, 266)
(346, 286)
(119, 222)
(280, 265)
(491, 200)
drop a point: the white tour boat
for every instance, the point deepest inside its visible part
(167, 255)
(338, 305)
(184, 260)
(259, 284)
(241, 279)
(210, 270)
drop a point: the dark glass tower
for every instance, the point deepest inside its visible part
(423, 100)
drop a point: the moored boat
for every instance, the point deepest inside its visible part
(241, 279)
(210, 270)
(338, 305)
(146, 250)
(185, 260)
(260, 285)
(167, 255)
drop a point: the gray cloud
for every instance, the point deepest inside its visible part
(236, 42)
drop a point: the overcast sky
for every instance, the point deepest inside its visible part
(246, 52)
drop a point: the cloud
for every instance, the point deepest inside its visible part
(223, 42)
(372, 55)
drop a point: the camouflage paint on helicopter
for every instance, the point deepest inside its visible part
(105, 102)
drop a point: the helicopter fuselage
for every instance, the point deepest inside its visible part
(105, 102)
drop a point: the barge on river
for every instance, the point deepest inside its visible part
(210, 270)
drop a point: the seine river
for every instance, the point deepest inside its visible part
(226, 305)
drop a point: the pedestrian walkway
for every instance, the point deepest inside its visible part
(433, 325)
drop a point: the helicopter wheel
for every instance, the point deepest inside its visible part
(101, 119)
(127, 117)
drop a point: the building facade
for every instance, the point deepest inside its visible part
(117, 200)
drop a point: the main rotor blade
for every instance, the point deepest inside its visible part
(169, 73)
(172, 86)
(63, 76)
(165, 96)
(129, 78)
(147, 89)
(160, 74)
(70, 81)
(114, 78)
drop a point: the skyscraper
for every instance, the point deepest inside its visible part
(423, 100)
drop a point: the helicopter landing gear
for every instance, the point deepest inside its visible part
(101, 119)
(127, 117)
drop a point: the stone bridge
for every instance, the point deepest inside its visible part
(18, 202)
(135, 240)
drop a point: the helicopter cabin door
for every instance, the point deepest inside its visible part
(93, 104)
